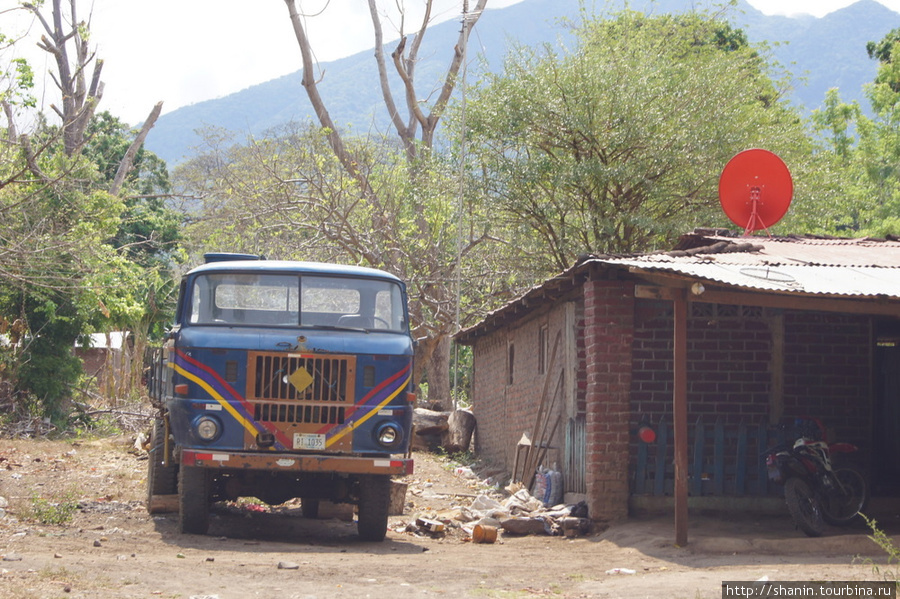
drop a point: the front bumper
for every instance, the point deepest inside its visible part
(289, 462)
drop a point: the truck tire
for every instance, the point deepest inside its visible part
(161, 479)
(309, 507)
(193, 500)
(374, 505)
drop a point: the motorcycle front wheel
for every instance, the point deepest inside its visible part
(841, 506)
(804, 507)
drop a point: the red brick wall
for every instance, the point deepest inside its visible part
(729, 356)
(609, 332)
(505, 411)
(489, 401)
(827, 359)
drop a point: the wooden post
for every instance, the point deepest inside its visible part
(679, 413)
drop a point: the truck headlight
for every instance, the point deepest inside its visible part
(207, 428)
(389, 435)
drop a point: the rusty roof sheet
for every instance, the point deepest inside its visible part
(845, 267)
(821, 252)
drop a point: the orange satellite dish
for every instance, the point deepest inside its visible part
(755, 189)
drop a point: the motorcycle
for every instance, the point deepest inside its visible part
(815, 490)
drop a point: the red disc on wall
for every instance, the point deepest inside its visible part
(646, 434)
(755, 189)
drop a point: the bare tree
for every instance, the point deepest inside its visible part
(66, 38)
(80, 95)
(431, 273)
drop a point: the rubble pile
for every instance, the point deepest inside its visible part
(512, 510)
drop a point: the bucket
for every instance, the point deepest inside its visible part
(484, 533)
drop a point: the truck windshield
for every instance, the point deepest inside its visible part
(290, 300)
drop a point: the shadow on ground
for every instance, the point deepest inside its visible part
(269, 531)
(731, 534)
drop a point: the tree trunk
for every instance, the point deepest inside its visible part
(462, 426)
(429, 422)
(437, 371)
(429, 429)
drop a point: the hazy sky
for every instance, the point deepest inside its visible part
(186, 51)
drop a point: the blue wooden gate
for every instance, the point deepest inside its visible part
(722, 460)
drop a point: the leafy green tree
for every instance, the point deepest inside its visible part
(84, 234)
(16, 83)
(54, 263)
(108, 140)
(883, 52)
(150, 229)
(617, 144)
(864, 151)
(66, 273)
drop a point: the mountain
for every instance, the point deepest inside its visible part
(828, 52)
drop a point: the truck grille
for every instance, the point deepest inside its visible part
(283, 377)
(298, 414)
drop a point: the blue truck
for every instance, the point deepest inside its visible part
(282, 380)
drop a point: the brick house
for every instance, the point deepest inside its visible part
(725, 337)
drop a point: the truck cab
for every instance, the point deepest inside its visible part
(283, 380)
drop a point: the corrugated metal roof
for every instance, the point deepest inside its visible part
(813, 251)
(844, 267)
(826, 280)
(852, 268)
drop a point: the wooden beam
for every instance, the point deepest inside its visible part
(679, 413)
(162, 504)
(769, 299)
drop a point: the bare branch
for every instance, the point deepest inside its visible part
(127, 163)
(402, 130)
(412, 103)
(450, 80)
(79, 100)
(312, 90)
(11, 133)
(30, 158)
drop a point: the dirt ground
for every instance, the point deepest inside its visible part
(112, 548)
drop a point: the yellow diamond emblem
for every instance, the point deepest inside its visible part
(301, 379)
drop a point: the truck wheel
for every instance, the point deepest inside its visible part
(161, 479)
(193, 499)
(310, 507)
(374, 504)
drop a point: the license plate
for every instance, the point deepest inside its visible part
(309, 441)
